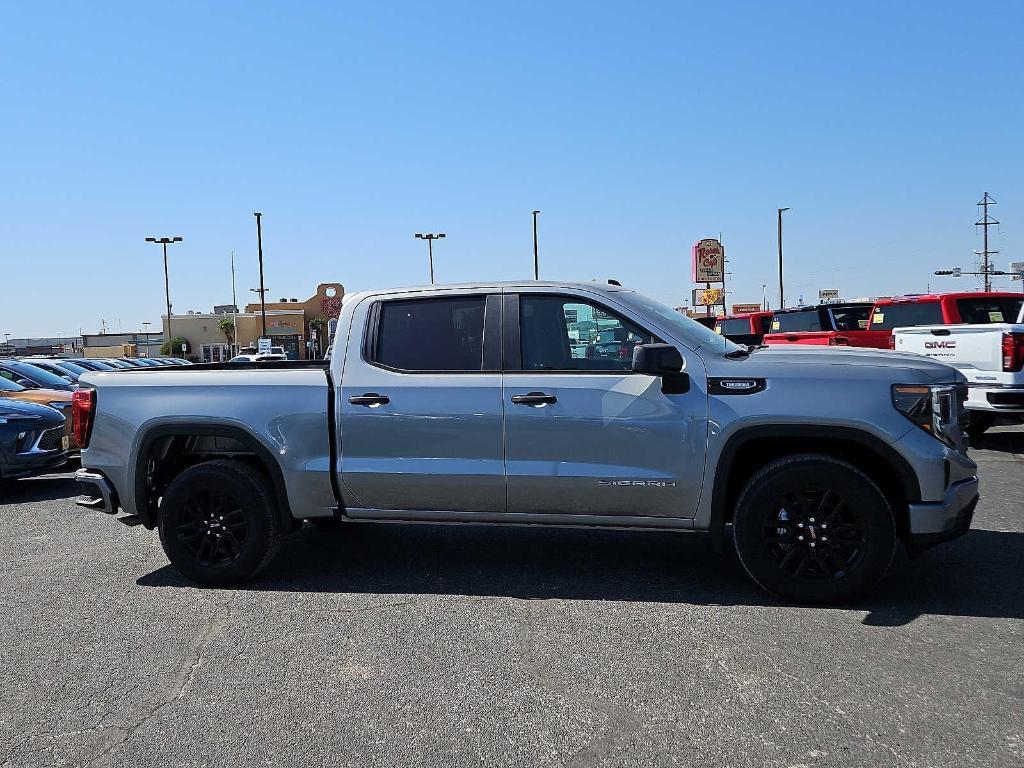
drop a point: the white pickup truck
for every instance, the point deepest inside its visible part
(991, 356)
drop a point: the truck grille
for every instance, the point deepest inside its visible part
(51, 439)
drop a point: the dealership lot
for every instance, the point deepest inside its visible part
(404, 645)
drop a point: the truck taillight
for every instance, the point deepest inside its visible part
(892, 341)
(83, 407)
(1013, 351)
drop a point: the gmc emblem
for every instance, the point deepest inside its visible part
(940, 345)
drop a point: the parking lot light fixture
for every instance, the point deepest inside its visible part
(165, 241)
(430, 238)
(782, 292)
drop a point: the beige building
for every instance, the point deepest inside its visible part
(291, 324)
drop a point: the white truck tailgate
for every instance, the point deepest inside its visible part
(971, 348)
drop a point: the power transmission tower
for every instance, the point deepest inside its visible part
(985, 222)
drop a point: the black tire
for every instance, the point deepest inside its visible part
(978, 424)
(813, 529)
(218, 523)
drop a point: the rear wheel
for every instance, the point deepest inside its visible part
(813, 529)
(218, 523)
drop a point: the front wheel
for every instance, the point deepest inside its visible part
(813, 529)
(218, 523)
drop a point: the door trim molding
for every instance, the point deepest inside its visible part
(521, 518)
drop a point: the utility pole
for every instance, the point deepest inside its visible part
(430, 238)
(234, 310)
(782, 292)
(146, 325)
(263, 291)
(536, 263)
(985, 222)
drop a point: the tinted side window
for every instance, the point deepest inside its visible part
(982, 311)
(431, 334)
(794, 322)
(562, 334)
(889, 316)
(736, 327)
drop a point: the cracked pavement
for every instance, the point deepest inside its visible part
(441, 645)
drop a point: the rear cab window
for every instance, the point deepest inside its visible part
(849, 318)
(885, 317)
(796, 322)
(429, 335)
(980, 311)
(738, 326)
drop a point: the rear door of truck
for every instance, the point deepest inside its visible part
(420, 405)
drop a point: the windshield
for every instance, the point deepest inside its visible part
(853, 318)
(6, 385)
(39, 375)
(695, 334)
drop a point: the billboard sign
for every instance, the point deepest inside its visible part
(745, 309)
(708, 261)
(1017, 267)
(708, 297)
(828, 294)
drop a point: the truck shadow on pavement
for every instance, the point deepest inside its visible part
(28, 490)
(977, 575)
(1005, 442)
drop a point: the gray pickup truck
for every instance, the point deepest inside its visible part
(540, 403)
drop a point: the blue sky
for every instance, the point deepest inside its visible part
(637, 128)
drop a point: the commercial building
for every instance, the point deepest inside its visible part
(302, 328)
(131, 344)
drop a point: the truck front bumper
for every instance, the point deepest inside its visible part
(937, 521)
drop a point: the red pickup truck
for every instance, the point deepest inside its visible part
(942, 309)
(748, 328)
(837, 325)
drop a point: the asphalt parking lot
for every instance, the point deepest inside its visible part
(423, 645)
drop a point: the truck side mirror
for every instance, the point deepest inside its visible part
(656, 359)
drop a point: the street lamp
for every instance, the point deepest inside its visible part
(262, 291)
(430, 238)
(536, 265)
(782, 294)
(165, 241)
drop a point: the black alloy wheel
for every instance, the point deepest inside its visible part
(814, 529)
(212, 527)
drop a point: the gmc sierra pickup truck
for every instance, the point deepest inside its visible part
(472, 404)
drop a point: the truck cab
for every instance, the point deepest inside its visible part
(748, 328)
(977, 308)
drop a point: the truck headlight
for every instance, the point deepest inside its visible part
(934, 409)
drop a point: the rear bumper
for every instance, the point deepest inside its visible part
(996, 399)
(99, 493)
(934, 522)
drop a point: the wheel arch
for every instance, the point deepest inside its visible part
(753, 447)
(252, 449)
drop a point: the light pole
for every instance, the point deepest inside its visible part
(165, 241)
(536, 264)
(430, 238)
(262, 291)
(782, 293)
(145, 326)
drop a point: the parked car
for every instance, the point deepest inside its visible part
(942, 309)
(990, 355)
(834, 325)
(57, 399)
(30, 375)
(96, 365)
(256, 358)
(33, 439)
(748, 328)
(64, 368)
(422, 416)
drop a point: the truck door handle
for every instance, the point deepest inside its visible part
(534, 398)
(370, 399)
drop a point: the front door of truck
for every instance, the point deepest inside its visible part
(583, 433)
(420, 405)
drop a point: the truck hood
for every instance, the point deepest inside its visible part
(847, 363)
